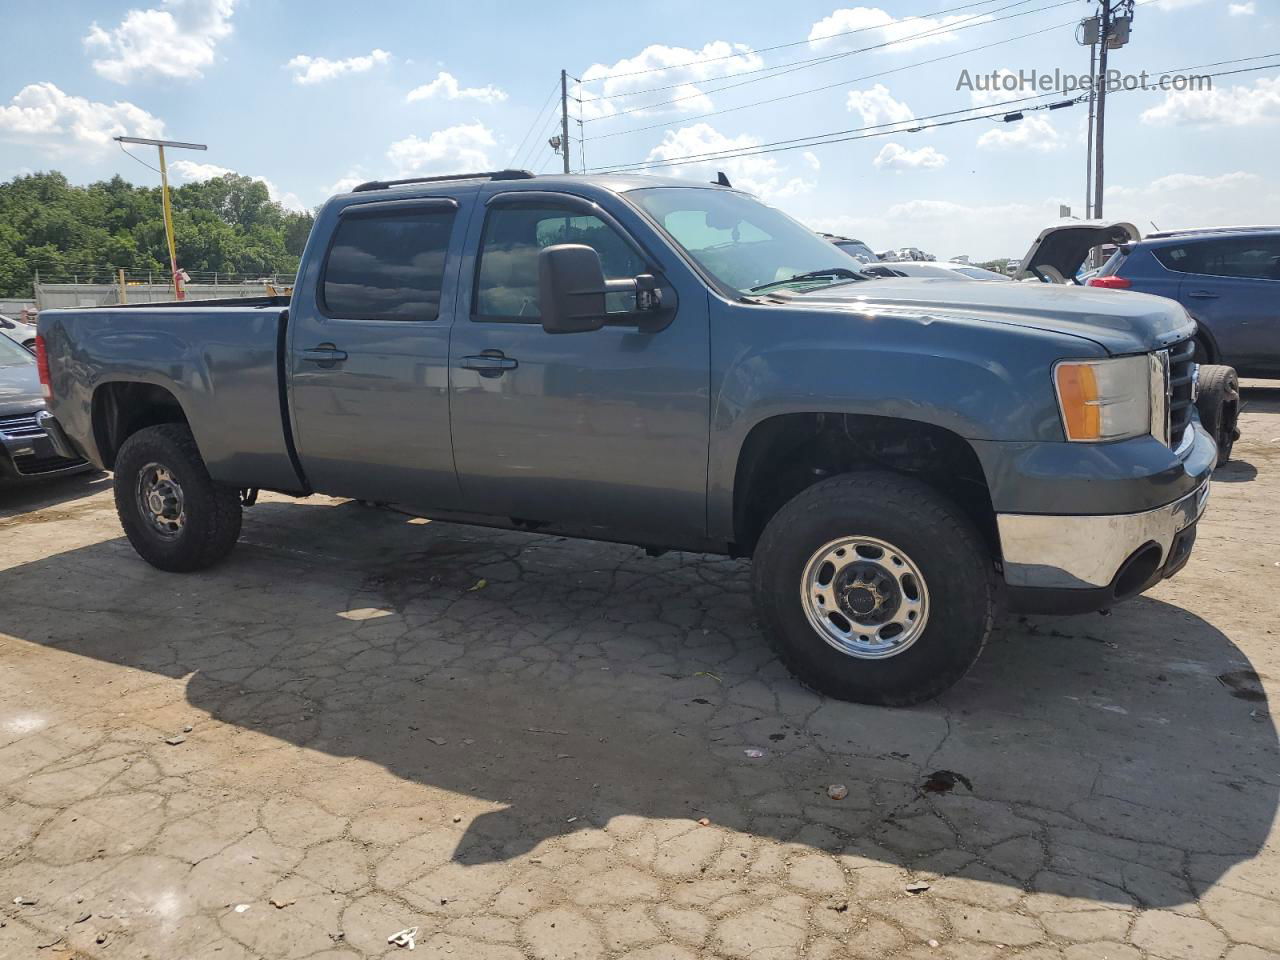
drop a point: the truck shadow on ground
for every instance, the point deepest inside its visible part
(554, 685)
(21, 497)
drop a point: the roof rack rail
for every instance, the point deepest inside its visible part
(486, 175)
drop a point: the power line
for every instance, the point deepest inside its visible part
(536, 117)
(864, 133)
(818, 139)
(779, 69)
(783, 46)
(841, 83)
(131, 156)
(803, 65)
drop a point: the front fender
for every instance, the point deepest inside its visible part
(980, 381)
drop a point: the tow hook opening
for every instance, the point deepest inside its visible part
(1136, 572)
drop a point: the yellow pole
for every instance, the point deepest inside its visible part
(168, 227)
(124, 297)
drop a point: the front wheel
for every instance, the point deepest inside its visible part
(173, 513)
(872, 587)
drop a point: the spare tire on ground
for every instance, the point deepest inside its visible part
(1218, 403)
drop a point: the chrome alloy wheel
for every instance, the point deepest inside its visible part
(865, 597)
(160, 500)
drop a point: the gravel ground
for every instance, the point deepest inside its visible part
(531, 747)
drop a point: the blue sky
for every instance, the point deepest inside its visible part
(314, 96)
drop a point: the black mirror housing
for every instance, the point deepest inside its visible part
(571, 288)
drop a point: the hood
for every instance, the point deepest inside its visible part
(1060, 250)
(20, 389)
(1118, 320)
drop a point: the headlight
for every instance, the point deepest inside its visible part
(1104, 399)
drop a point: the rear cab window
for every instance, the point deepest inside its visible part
(387, 264)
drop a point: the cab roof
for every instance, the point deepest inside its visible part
(615, 182)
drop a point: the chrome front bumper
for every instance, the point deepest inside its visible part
(1087, 552)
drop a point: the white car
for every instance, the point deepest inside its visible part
(20, 333)
(949, 269)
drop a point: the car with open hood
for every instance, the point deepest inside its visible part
(1059, 251)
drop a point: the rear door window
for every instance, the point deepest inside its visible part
(1241, 257)
(387, 265)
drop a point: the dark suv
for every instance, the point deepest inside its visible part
(1229, 281)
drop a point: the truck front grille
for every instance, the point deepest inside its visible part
(1181, 375)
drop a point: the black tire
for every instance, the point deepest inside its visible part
(933, 532)
(1218, 404)
(211, 512)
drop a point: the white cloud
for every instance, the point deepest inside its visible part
(993, 88)
(308, 70)
(811, 158)
(43, 114)
(877, 106)
(176, 40)
(456, 149)
(446, 85)
(1030, 133)
(1239, 106)
(661, 66)
(1246, 9)
(856, 28)
(894, 156)
(1182, 200)
(191, 171)
(761, 174)
(1167, 6)
(344, 184)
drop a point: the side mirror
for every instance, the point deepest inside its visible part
(571, 288)
(572, 291)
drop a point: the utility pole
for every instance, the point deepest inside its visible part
(175, 279)
(1088, 158)
(564, 118)
(1104, 38)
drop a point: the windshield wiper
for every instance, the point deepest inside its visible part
(812, 275)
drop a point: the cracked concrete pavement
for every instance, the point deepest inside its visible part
(532, 747)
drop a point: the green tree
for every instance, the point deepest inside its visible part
(229, 225)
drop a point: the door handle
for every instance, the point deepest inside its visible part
(1203, 295)
(490, 364)
(325, 353)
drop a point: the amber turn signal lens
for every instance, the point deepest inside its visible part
(1078, 395)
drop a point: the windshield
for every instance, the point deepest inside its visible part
(14, 354)
(743, 243)
(978, 273)
(858, 250)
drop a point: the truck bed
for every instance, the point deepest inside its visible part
(221, 362)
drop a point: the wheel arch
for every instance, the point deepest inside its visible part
(122, 408)
(786, 453)
(1204, 335)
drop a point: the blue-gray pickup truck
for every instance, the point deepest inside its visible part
(676, 366)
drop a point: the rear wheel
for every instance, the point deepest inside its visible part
(173, 513)
(872, 587)
(1218, 403)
